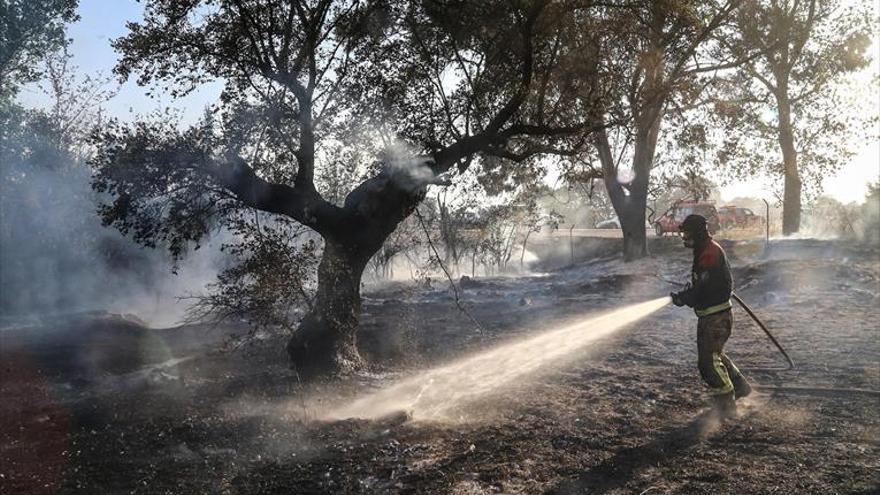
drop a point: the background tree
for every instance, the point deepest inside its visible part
(690, 183)
(828, 217)
(503, 229)
(455, 211)
(451, 81)
(789, 101)
(402, 245)
(661, 53)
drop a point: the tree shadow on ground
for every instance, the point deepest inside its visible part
(625, 464)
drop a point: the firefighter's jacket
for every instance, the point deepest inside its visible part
(711, 282)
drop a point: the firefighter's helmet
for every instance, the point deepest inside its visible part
(694, 229)
(694, 224)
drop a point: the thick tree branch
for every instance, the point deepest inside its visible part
(773, 88)
(530, 151)
(697, 69)
(548, 130)
(304, 205)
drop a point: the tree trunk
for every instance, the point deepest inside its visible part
(791, 200)
(630, 200)
(791, 206)
(635, 241)
(326, 340)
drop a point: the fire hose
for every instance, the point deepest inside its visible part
(757, 321)
(763, 327)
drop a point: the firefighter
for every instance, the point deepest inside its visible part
(709, 294)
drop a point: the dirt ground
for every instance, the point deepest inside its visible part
(101, 404)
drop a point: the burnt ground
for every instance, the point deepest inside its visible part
(92, 404)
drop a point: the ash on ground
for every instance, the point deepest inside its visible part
(101, 403)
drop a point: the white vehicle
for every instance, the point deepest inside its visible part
(611, 223)
(614, 223)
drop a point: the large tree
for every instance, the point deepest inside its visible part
(451, 82)
(662, 55)
(787, 110)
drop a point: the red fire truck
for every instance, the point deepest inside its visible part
(672, 218)
(737, 217)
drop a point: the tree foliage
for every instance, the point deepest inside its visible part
(324, 70)
(270, 279)
(29, 31)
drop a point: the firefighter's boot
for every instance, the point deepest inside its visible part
(741, 387)
(723, 406)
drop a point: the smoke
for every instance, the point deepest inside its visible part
(406, 168)
(56, 257)
(437, 393)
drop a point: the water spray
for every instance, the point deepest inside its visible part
(438, 392)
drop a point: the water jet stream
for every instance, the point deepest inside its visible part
(434, 393)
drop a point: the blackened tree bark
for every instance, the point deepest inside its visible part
(325, 339)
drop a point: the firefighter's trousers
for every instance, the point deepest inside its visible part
(717, 370)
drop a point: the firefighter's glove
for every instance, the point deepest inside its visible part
(676, 299)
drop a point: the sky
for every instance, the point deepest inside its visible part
(103, 20)
(849, 184)
(100, 22)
